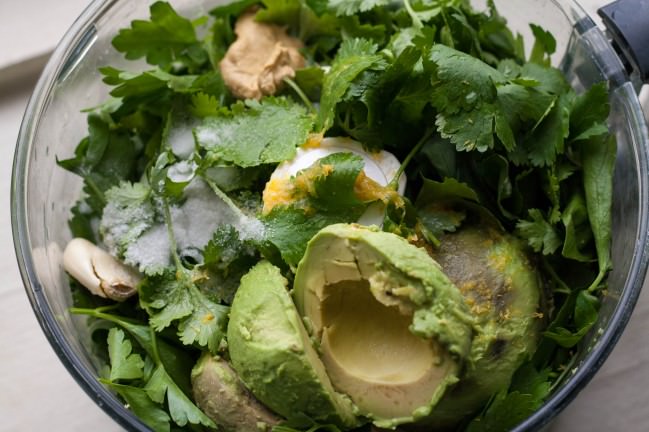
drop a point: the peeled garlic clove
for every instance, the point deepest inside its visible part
(98, 271)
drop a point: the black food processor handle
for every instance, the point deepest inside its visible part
(628, 24)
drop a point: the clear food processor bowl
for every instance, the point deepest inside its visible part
(53, 125)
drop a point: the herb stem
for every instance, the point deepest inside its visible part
(226, 199)
(416, 22)
(563, 374)
(593, 287)
(562, 287)
(173, 245)
(394, 183)
(296, 88)
(93, 186)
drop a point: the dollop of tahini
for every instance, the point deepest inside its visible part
(261, 57)
(393, 329)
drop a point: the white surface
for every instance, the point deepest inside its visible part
(38, 393)
(29, 28)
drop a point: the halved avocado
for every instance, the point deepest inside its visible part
(393, 330)
(504, 291)
(219, 392)
(273, 355)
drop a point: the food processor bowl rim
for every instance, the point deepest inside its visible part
(83, 26)
(68, 47)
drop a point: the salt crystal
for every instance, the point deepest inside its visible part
(151, 250)
(182, 172)
(197, 218)
(181, 139)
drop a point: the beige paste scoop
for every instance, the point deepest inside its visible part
(261, 57)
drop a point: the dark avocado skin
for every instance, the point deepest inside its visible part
(223, 397)
(503, 289)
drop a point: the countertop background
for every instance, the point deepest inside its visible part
(37, 393)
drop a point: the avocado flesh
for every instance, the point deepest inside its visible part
(504, 291)
(369, 352)
(392, 328)
(271, 352)
(221, 395)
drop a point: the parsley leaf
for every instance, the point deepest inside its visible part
(165, 39)
(123, 364)
(148, 411)
(255, 133)
(181, 408)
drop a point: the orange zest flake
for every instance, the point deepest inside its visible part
(367, 190)
(278, 191)
(313, 141)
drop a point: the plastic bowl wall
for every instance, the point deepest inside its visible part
(53, 125)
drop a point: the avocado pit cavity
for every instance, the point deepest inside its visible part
(370, 353)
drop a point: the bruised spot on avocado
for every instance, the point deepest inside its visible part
(497, 348)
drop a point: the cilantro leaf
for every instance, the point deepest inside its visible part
(544, 45)
(291, 228)
(103, 159)
(449, 188)
(510, 407)
(352, 7)
(540, 234)
(226, 259)
(129, 212)
(368, 102)
(134, 84)
(354, 57)
(144, 408)
(439, 204)
(165, 39)
(332, 188)
(548, 139)
(255, 133)
(585, 316)
(464, 92)
(174, 297)
(578, 230)
(505, 412)
(123, 364)
(589, 113)
(281, 11)
(181, 408)
(325, 196)
(234, 8)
